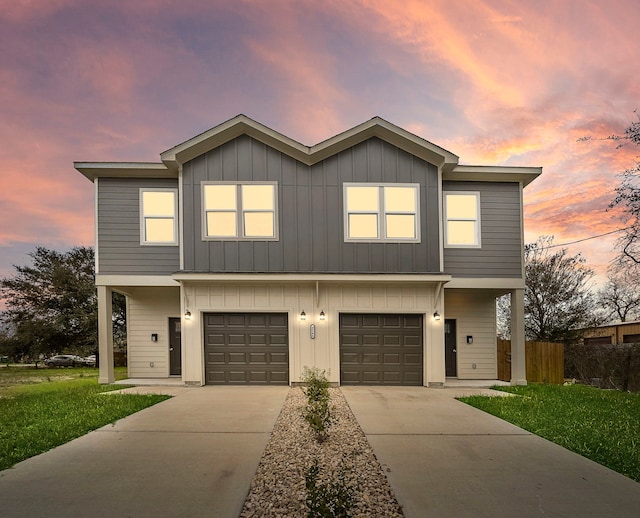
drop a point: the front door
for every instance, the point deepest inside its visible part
(450, 349)
(175, 347)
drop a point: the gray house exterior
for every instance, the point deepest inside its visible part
(245, 257)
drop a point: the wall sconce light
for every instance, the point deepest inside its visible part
(436, 316)
(154, 337)
(187, 315)
(303, 315)
(469, 339)
(322, 315)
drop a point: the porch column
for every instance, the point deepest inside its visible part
(105, 335)
(518, 361)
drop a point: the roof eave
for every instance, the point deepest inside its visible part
(470, 173)
(93, 170)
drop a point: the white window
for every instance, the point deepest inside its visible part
(462, 219)
(158, 217)
(381, 212)
(239, 211)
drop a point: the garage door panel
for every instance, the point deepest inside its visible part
(236, 320)
(392, 321)
(236, 357)
(216, 358)
(392, 377)
(349, 358)
(371, 377)
(257, 340)
(391, 359)
(381, 349)
(413, 359)
(412, 322)
(278, 339)
(391, 340)
(246, 348)
(257, 358)
(278, 358)
(371, 358)
(371, 340)
(350, 377)
(349, 339)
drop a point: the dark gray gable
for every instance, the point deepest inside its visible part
(310, 210)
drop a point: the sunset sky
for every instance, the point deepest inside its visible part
(495, 82)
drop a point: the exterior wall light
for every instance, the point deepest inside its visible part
(187, 315)
(322, 315)
(303, 315)
(436, 316)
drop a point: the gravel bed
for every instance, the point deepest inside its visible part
(278, 487)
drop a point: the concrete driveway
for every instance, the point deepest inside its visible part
(444, 458)
(192, 455)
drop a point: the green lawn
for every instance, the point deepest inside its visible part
(43, 408)
(602, 425)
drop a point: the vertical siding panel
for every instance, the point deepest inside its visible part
(360, 163)
(289, 229)
(374, 160)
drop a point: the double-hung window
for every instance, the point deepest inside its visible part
(158, 217)
(239, 211)
(462, 219)
(381, 212)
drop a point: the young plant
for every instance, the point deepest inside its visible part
(317, 412)
(328, 499)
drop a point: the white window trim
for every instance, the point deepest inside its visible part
(381, 213)
(240, 213)
(478, 240)
(143, 241)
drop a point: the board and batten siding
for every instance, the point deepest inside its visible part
(501, 233)
(475, 314)
(148, 312)
(333, 298)
(119, 248)
(310, 212)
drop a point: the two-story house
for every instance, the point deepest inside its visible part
(245, 256)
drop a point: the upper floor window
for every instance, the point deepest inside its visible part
(158, 217)
(462, 219)
(240, 211)
(381, 212)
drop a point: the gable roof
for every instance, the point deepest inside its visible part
(243, 125)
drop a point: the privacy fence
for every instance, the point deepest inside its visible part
(544, 361)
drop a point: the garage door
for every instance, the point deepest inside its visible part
(246, 348)
(380, 349)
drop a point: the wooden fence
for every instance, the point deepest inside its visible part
(544, 361)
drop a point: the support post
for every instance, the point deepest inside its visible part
(105, 335)
(518, 359)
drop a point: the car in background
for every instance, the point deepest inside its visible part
(65, 360)
(90, 361)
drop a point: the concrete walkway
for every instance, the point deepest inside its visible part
(195, 455)
(192, 455)
(444, 458)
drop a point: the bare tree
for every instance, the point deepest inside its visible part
(558, 300)
(628, 198)
(620, 297)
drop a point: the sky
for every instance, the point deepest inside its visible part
(510, 83)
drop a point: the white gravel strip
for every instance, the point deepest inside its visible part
(278, 487)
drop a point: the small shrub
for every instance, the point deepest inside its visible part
(327, 499)
(317, 412)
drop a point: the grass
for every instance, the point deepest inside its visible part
(44, 408)
(602, 425)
